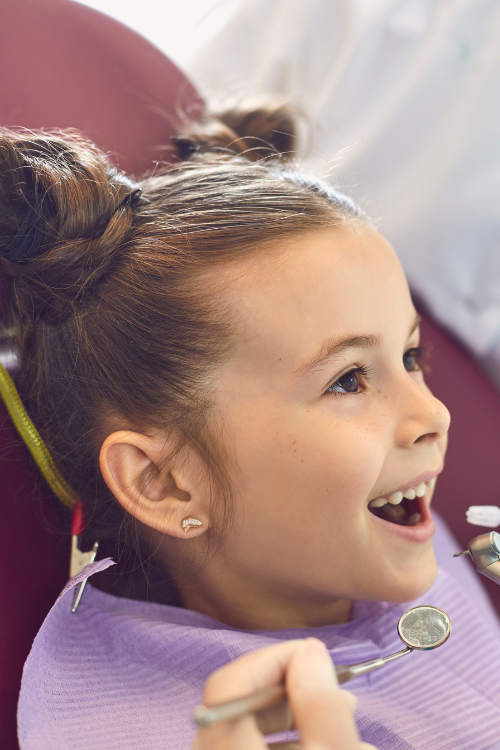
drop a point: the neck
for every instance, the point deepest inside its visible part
(258, 605)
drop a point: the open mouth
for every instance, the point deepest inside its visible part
(405, 508)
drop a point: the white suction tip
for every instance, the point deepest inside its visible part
(484, 515)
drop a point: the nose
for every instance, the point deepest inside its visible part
(423, 418)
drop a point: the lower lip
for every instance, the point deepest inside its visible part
(422, 532)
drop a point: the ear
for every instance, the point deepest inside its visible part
(158, 494)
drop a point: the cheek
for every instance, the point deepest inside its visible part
(312, 465)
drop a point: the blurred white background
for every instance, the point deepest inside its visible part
(402, 98)
(178, 27)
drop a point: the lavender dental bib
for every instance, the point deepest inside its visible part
(127, 674)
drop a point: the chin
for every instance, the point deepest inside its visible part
(414, 583)
(399, 583)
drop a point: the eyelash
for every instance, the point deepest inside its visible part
(419, 353)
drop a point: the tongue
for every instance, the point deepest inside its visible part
(406, 513)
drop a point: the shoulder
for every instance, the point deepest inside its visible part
(120, 673)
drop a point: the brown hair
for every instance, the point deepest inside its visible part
(115, 327)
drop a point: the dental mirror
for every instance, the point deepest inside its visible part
(421, 628)
(424, 627)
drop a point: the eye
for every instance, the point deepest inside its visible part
(351, 382)
(414, 358)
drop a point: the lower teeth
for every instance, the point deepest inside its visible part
(398, 514)
(395, 512)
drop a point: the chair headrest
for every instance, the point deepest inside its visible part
(68, 66)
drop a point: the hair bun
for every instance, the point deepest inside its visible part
(262, 129)
(26, 242)
(63, 212)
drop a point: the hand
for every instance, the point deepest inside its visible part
(322, 712)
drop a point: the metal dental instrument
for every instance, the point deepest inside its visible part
(420, 628)
(485, 551)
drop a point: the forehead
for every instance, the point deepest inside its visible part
(332, 282)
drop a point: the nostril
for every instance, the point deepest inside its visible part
(427, 436)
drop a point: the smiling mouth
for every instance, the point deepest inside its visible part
(403, 508)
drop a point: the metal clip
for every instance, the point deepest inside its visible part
(79, 559)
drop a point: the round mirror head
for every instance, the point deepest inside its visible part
(424, 627)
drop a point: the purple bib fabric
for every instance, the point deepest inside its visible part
(124, 674)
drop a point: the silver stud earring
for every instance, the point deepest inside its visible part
(189, 522)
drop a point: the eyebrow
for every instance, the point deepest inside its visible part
(334, 346)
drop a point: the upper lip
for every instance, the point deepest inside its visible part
(426, 476)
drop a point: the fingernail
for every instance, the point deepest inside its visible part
(319, 662)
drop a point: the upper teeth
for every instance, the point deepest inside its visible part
(411, 493)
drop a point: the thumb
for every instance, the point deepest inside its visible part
(322, 712)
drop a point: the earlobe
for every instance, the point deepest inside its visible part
(190, 523)
(160, 496)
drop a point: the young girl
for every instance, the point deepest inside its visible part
(224, 362)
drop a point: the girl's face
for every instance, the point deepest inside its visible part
(324, 408)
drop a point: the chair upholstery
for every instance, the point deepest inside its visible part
(66, 65)
(34, 561)
(471, 468)
(69, 66)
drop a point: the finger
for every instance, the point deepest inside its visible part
(250, 673)
(229, 735)
(322, 712)
(277, 718)
(350, 700)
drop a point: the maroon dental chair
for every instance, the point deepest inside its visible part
(65, 65)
